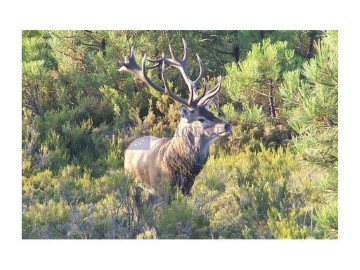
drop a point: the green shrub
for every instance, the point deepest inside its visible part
(46, 221)
(287, 227)
(326, 218)
(181, 220)
(255, 186)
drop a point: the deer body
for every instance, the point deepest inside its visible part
(178, 160)
(173, 160)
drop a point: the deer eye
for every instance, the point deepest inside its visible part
(201, 120)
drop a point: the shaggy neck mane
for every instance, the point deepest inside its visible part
(184, 157)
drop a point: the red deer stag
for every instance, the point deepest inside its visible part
(180, 159)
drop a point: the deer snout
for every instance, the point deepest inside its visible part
(223, 129)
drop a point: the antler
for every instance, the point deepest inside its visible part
(194, 100)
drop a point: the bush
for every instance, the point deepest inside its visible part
(44, 221)
(181, 220)
(262, 195)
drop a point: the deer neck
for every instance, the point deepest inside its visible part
(189, 147)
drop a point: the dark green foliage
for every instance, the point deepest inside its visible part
(312, 111)
(274, 177)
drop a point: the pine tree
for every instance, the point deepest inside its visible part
(311, 105)
(255, 81)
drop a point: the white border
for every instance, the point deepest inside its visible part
(185, 14)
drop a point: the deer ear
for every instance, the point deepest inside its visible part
(185, 112)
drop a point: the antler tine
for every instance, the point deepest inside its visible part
(203, 93)
(191, 96)
(169, 92)
(147, 79)
(172, 53)
(186, 53)
(167, 88)
(209, 95)
(201, 75)
(131, 65)
(131, 58)
(132, 52)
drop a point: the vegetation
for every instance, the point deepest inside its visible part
(274, 177)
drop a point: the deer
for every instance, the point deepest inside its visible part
(177, 160)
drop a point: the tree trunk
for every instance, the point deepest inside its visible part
(102, 47)
(272, 99)
(310, 51)
(236, 53)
